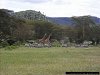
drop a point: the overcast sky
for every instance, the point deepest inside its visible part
(55, 8)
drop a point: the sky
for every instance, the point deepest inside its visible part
(55, 8)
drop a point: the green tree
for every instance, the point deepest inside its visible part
(86, 28)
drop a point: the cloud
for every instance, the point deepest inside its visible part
(32, 1)
(55, 7)
(59, 2)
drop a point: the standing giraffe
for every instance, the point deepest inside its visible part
(47, 41)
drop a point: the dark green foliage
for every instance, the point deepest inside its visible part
(42, 27)
(3, 44)
(13, 28)
(86, 29)
(5, 21)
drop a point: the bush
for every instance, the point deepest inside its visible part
(56, 43)
(3, 44)
(18, 43)
(11, 47)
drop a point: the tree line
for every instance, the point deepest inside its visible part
(23, 30)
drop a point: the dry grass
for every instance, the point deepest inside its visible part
(49, 61)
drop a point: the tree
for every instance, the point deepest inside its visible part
(42, 27)
(6, 23)
(13, 28)
(86, 28)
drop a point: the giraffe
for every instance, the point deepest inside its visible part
(43, 39)
(47, 40)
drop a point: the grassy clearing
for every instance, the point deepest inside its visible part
(48, 61)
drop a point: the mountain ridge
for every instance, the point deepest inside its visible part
(37, 15)
(69, 21)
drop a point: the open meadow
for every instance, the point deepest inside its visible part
(49, 61)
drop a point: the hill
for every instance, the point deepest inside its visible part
(37, 15)
(61, 20)
(30, 15)
(27, 14)
(68, 20)
(95, 19)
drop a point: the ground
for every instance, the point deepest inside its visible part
(49, 61)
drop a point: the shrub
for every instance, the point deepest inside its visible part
(11, 47)
(3, 44)
(56, 43)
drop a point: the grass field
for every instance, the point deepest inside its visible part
(49, 61)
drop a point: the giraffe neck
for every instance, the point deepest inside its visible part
(48, 37)
(44, 37)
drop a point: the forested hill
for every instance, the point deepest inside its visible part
(30, 15)
(27, 14)
(37, 15)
